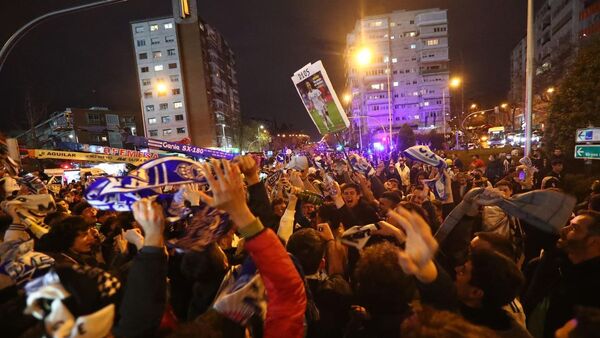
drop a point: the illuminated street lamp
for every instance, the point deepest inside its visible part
(550, 90)
(364, 56)
(347, 98)
(473, 106)
(455, 82)
(504, 105)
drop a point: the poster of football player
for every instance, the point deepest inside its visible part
(319, 98)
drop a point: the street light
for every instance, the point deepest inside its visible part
(550, 90)
(364, 56)
(455, 82)
(347, 98)
(473, 106)
(504, 105)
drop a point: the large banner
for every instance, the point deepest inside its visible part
(319, 99)
(90, 148)
(188, 149)
(76, 156)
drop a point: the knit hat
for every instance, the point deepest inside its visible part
(74, 301)
(21, 263)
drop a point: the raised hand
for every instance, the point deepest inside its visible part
(134, 236)
(417, 258)
(151, 218)
(228, 192)
(249, 168)
(191, 193)
(296, 180)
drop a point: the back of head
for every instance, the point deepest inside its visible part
(394, 196)
(498, 243)
(308, 247)
(381, 285)
(594, 203)
(497, 276)
(431, 323)
(63, 233)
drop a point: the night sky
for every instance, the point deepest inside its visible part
(86, 59)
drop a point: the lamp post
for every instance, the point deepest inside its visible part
(456, 82)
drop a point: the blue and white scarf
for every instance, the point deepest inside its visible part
(425, 155)
(119, 193)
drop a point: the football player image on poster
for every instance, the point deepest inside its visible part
(319, 98)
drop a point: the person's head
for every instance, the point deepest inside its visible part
(389, 200)
(461, 178)
(431, 323)
(421, 176)
(550, 182)
(62, 206)
(505, 187)
(308, 247)
(380, 284)
(487, 280)
(419, 195)
(557, 165)
(402, 161)
(70, 234)
(278, 206)
(581, 238)
(308, 85)
(492, 157)
(495, 242)
(594, 203)
(351, 194)
(475, 157)
(328, 213)
(308, 210)
(557, 152)
(392, 184)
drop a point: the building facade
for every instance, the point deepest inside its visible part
(95, 125)
(407, 76)
(187, 82)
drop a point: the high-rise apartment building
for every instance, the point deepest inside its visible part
(406, 75)
(187, 80)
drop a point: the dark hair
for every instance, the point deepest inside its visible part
(277, 201)
(54, 217)
(497, 276)
(594, 204)
(330, 214)
(556, 161)
(432, 323)
(62, 235)
(594, 227)
(354, 186)
(410, 206)
(504, 183)
(588, 322)
(394, 180)
(308, 247)
(381, 285)
(499, 243)
(393, 196)
(80, 207)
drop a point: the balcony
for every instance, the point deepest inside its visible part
(432, 18)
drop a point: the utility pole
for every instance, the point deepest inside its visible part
(529, 78)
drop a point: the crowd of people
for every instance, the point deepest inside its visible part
(315, 244)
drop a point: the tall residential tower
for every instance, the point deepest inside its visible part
(405, 77)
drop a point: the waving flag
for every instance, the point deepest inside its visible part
(425, 155)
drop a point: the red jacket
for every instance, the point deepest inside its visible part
(286, 298)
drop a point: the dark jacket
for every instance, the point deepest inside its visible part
(145, 295)
(363, 213)
(260, 205)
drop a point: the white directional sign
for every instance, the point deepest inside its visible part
(587, 135)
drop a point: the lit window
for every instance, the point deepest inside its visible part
(172, 65)
(392, 37)
(178, 104)
(144, 69)
(150, 107)
(167, 132)
(153, 132)
(433, 42)
(158, 68)
(179, 117)
(174, 78)
(395, 83)
(413, 46)
(143, 56)
(170, 52)
(417, 117)
(146, 82)
(394, 60)
(156, 55)
(415, 93)
(104, 138)
(170, 38)
(386, 59)
(169, 25)
(426, 103)
(165, 119)
(147, 95)
(139, 29)
(412, 34)
(163, 106)
(375, 86)
(176, 91)
(141, 43)
(152, 120)
(153, 28)
(181, 130)
(155, 41)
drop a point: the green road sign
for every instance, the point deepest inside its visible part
(588, 151)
